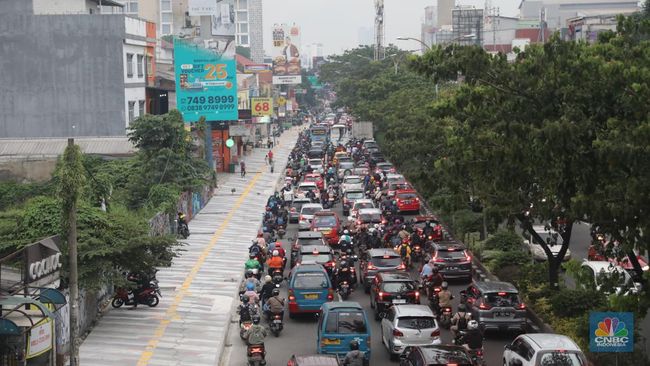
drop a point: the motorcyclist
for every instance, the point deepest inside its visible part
(445, 296)
(250, 278)
(436, 278)
(182, 224)
(245, 310)
(256, 333)
(374, 241)
(252, 263)
(267, 289)
(403, 233)
(459, 320)
(354, 357)
(427, 229)
(473, 339)
(427, 270)
(251, 293)
(276, 262)
(343, 273)
(275, 304)
(404, 251)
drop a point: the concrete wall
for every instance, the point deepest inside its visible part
(16, 7)
(61, 75)
(64, 6)
(27, 169)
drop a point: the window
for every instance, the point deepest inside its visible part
(129, 65)
(332, 323)
(166, 17)
(416, 322)
(242, 16)
(133, 7)
(243, 40)
(141, 108)
(166, 5)
(351, 322)
(166, 29)
(131, 111)
(242, 5)
(140, 66)
(312, 280)
(243, 27)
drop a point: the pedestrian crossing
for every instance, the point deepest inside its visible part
(199, 290)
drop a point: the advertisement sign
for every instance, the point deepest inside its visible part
(40, 338)
(206, 82)
(286, 54)
(261, 107)
(223, 20)
(611, 332)
(239, 130)
(255, 68)
(198, 8)
(42, 262)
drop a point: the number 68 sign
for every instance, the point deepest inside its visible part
(261, 107)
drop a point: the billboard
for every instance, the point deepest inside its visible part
(206, 82)
(286, 54)
(223, 20)
(197, 8)
(261, 107)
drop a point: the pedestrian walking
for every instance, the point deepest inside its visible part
(269, 157)
(242, 168)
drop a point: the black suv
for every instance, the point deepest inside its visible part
(390, 288)
(305, 238)
(452, 260)
(435, 355)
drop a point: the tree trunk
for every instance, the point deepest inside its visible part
(554, 273)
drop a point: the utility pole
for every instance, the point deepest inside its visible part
(71, 157)
(379, 30)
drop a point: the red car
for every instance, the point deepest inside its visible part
(316, 178)
(328, 223)
(407, 200)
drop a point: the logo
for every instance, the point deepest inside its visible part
(611, 332)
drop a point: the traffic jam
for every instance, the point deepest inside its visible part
(351, 268)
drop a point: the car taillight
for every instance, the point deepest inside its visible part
(435, 333)
(484, 307)
(293, 209)
(371, 266)
(330, 294)
(292, 297)
(438, 260)
(522, 306)
(401, 266)
(397, 333)
(301, 218)
(381, 295)
(467, 257)
(417, 294)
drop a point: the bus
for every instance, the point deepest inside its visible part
(337, 132)
(318, 133)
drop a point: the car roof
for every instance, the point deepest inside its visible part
(602, 266)
(552, 341)
(338, 305)
(307, 184)
(364, 200)
(301, 200)
(312, 205)
(353, 190)
(378, 252)
(385, 163)
(413, 310)
(409, 190)
(425, 218)
(495, 286)
(395, 276)
(449, 246)
(326, 213)
(317, 360)
(393, 175)
(309, 267)
(351, 176)
(309, 234)
(310, 248)
(369, 211)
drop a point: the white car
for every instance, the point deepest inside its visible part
(409, 325)
(360, 204)
(601, 271)
(307, 212)
(352, 182)
(345, 168)
(551, 237)
(543, 349)
(304, 187)
(316, 165)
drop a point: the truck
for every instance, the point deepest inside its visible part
(362, 130)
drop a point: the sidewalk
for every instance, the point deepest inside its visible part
(189, 325)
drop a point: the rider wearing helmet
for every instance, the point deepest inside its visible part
(404, 251)
(276, 262)
(354, 357)
(251, 293)
(445, 296)
(245, 310)
(256, 333)
(473, 339)
(252, 263)
(267, 289)
(460, 320)
(343, 273)
(250, 278)
(275, 304)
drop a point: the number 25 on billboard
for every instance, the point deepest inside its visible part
(261, 106)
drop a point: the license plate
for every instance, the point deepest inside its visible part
(331, 342)
(311, 296)
(503, 314)
(325, 232)
(399, 301)
(277, 321)
(407, 202)
(452, 268)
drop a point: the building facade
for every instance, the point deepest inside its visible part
(467, 25)
(556, 13)
(437, 23)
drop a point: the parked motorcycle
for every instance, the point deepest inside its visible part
(148, 295)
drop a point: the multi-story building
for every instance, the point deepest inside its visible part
(437, 19)
(467, 25)
(499, 33)
(555, 13)
(310, 52)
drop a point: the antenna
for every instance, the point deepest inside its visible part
(379, 30)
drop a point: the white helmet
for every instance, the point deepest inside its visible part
(472, 324)
(276, 253)
(346, 232)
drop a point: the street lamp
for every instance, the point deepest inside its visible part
(364, 57)
(414, 39)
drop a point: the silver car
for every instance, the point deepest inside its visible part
(352, 182)
(307, 212)
(409, 325)
(345, 168)
(553, 240)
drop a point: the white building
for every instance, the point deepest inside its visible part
(557, 12)
(250, 28)
(135, 77)
(309, 52)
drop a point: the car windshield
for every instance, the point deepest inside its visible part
(310, 210)
(384, 166)
(398, 185)
(555, 358)
(422, 224)
(315, 162)
(398, 287)
(354, 195)
(395, 179)
(416, 322)
(386, 262)
(346, 165)
(310, 241)
(351, 322)
(324, 221)
(501, 299)
(406, 196)
(361, 205)
(455, 254)
(312, 179)
(310, 280)
(353, 181)
(316, 258)
(376, 217)
(307, 187)
(298, 204)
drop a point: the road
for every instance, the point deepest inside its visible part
(299, 335)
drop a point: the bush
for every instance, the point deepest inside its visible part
(504, 259)
(14, 194)
(504, 240)
(567, 303)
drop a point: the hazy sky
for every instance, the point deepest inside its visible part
(335, 23)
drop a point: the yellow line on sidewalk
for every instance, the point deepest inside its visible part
(171, 312)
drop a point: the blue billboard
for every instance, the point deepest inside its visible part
(611, 332)
(206, 82)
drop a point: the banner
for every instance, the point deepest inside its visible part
(611, 332)
(198, 8)
(223, 21)
(40, 338)
(261, 107)
(286, 54)
(206, 82)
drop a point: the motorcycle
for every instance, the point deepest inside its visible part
(183, 230)
(434, 300)
(281, 230)
(243, 327)
(475, 354)
(277, 277)
(256, 354)
(417, 253)
(149, 295)
(276, 324)
(445, 317)
(344, 290)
